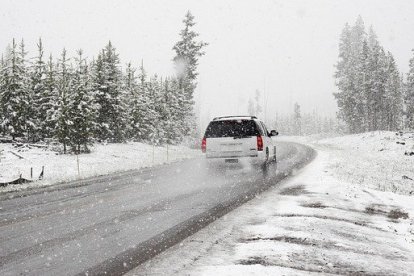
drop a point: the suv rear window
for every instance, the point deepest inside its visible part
(232, 128)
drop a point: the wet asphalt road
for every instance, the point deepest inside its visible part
(113, 223)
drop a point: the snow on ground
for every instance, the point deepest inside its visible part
(322, 221)
(380, 160)
(103, 159)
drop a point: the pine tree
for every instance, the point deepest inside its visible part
(155, 136)
(27, 103)
(251, 110)
(187, 51)
(297, 119)
(380, 79)
(372, 80)
(110, 98)
(131, 91)
(171, 109)
(2, 86)
(344, 80)
(358, 75)
(393, 96)
(14, 99)
(51, 100)
(135, 112)
(409, 95)
(40, 99)
(82, 108)
(258, 107)
(144, 113)
(64, 98)
(365, 87)
(370, 95)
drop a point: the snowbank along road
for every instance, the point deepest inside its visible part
(111, 224)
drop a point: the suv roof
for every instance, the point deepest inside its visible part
(234, 118)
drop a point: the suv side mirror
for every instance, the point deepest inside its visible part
(274, 133)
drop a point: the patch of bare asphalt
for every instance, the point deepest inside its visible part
(316, 266)
(329, 245)
(359, 223)
(295, 190)
(317, 204)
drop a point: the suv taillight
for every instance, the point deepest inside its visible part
(259, 143)
(204, 144)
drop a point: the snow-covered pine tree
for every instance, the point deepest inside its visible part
(156, 111)
(82, 108)
(97, 76)
(258, 107)
(14, 99)
(369, 96)
(297, 119)
(26, 105)
(131, 91)
(365, 87)
(171, 125)
(409, 95)
(2, 68)
(251, 110)
(187, 51)
(344, 80)
(41, 101)
(51, 101)
(110, 96)
(135, 111)
(358, 36)
(379, 80)
(393, 96)
(168, 111)
(144, 113)
(372, 75)
(64, 98)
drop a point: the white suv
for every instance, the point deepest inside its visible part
(235, 139)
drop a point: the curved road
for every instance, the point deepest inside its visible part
(111, 224)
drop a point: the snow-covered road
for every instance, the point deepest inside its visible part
(112, 223)
(323, 221)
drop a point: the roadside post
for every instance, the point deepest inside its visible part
(153, 154)
(167, 153)
(77, 161)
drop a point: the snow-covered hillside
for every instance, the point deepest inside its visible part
(378, 160)
(326, 219)
(104, 159)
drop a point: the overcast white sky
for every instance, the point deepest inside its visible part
(287, 48)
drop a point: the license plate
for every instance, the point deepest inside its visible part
(231, 160)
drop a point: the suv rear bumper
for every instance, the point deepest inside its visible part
(256, 159)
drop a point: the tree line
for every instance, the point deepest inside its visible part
(309, 123)
(372, 93)
(76, 101)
